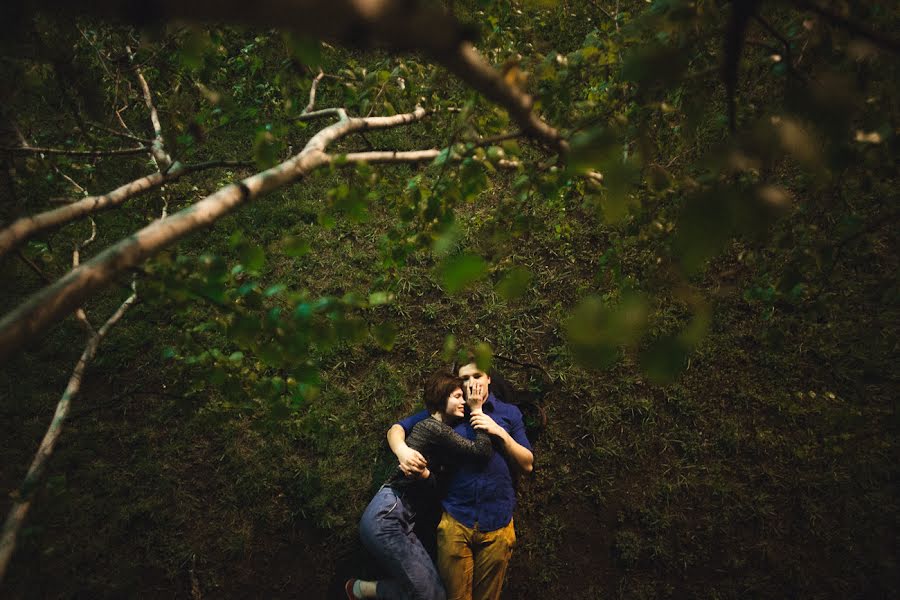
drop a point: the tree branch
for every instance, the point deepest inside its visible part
(397, 24)
(312, 92)
(23, 498)
(120, 134)
(64, 152)
(853, 27)
(160, 156)
(55, 301)
(27, 227)
(467, 64)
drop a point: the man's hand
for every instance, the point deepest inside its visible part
(482, 421)
(476, 394)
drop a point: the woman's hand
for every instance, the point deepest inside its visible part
(412, 463)
(485, 423)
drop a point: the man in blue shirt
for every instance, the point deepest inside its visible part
(476, 533)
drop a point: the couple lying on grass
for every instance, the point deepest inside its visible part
(461, 452)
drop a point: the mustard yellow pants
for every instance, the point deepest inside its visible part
(473, 563)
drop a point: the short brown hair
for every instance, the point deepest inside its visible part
(438, 388)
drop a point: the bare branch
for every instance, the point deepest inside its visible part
(120, 134)
(340, 113)
(23, 498)
(160, 156)
(57, 300)
(64, 152)
(31, 264)
(70, 180)
(411, 156)
(27, 227)
(312, 92)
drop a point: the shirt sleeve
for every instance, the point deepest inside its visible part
(517, 427)
(451, 444)
(409, 422)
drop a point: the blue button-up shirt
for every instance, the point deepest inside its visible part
(482, 497)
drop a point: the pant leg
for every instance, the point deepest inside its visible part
(492, 551)
(386, 530)
(454, 554)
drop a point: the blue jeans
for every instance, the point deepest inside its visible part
(386, 529)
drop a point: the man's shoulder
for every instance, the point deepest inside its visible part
(409, 422)
(505, 408)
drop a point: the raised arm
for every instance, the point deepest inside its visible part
(520, 455)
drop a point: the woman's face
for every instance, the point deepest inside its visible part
(456, 404)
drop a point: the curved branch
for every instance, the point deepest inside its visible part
(55, 301)
(397, 24)
(27, 227)
(64, 152)
(467, 64)
(312, 92)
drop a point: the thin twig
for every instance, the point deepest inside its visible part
(127, 136)
(34, 266)
(312, 92)
(157, 151)
(64, 152)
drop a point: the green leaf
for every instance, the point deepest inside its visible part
(385, 335)
(252, 257)
(449, 348)
(304, 49)
(484, 356)
(460, 271)
(378, 298)
(596, 330)
(275, 289)
(664, 359)
(236, 357)
(592, 148)
(266, 149)
(514, 283)
(295, 246)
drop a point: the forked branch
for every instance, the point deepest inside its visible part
(57, 300)
(27, 227)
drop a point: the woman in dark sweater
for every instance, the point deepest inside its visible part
(386, 527)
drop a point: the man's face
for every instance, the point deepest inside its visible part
(471, 371)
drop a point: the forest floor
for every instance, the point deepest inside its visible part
(766, 469)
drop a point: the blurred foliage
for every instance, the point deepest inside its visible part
(716, 318)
